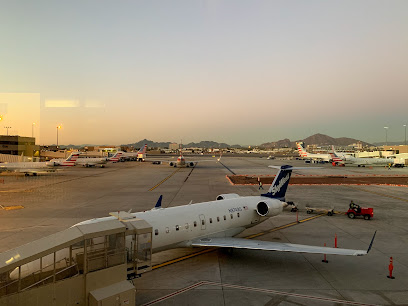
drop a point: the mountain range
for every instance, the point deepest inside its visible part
(316, 139)
(202, 144)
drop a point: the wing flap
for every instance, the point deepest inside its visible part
(241, 243)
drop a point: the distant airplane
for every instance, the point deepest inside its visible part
(361, 162)
(207, 224)
(116, 157)
(181, 161)
(39, 167)
(138, 156)
(98, 161)
(315, 156)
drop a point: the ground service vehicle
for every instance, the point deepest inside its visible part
(368, 213)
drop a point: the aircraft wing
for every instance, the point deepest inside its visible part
(242, 243)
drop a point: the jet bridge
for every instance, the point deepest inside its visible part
(138, 244)
(86, 264)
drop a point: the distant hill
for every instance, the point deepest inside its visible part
(202, 144)
(317, 139)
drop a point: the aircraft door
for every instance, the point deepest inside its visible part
(202, 221)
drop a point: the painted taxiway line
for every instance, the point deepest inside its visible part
(182, 258)
(162, 181)
(227, 168)
(16, 190)
(284, 226)
(254, 289)
(11, 207)
(163, 298)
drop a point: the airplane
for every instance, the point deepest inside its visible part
(317, 156)
(39, 167)
(215, 223)
(211, 224)
(181, 161)
(89, 162)
(361, 162)
(116, 157)
(138, 156)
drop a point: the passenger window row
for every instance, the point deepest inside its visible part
(156, 231)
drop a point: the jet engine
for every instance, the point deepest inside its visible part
(269, 209)
(227, 196)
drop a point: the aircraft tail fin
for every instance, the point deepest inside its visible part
(301, 150)
(70, 161)
(116, 157)
(280, 183)
(335, 157)
(143, 149)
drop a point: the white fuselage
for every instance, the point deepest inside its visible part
(368, 161)
(325, 157)
(91, 161)
(178, 226)
(25, 165)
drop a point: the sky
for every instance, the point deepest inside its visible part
(239, 72)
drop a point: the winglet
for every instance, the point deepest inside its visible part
(159, 202)
(371, 243)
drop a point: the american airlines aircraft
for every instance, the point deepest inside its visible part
(97, 161)
(362, 162)
(39, 167)
(215, 223)
(139, 155)
(304, 154)
(89, 162)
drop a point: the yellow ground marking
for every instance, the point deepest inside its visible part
(248, 237)
(379, 193)
(16, 190)
(283, 226)
(157, 185)
(11, 207)
(182, 258)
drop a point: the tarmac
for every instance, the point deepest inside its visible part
(52, 202)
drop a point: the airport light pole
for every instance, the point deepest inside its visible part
(386, 135)
(7, 127)
(405, 126)
(58, 127)
(32, 129)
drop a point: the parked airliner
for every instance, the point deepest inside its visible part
(39, 167)
(215, 223)
(315, 156)
(361, 162)
(182, 162)
(139, 155)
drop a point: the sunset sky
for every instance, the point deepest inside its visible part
(240, 72)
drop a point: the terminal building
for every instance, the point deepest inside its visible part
(17, 145)
(89, 264)
(13, 147)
